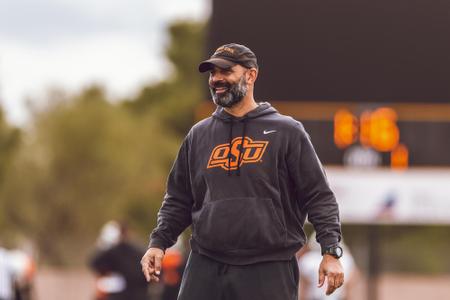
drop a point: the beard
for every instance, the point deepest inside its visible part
(234, 94)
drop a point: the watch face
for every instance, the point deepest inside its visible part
(338, 251)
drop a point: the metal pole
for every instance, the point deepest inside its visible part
(374, 262)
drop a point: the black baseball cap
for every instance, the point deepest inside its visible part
(227, 56)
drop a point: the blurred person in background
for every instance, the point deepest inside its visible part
(308, 258)
(245, 179)
(172, 270)
(6, 276)
(24, 268)
(17, 270)
(116, 262)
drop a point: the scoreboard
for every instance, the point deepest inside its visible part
(346, 50)
(345, 67)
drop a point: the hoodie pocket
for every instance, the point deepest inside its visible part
(239, 224)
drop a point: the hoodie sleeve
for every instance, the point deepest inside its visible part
(315, 196)
(174, 216)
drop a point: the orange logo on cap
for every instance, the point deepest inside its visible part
(224, 49)
(250, 151)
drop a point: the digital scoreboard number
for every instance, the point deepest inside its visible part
(398, 135)
(375, 130)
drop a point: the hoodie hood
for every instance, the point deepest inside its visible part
(264, 108)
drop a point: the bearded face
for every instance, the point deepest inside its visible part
(228, 94)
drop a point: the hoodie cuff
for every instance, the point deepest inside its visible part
(329, 242)
(157, 243)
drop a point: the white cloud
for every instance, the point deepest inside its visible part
(43, 20)
(121, 62)
(45, 43)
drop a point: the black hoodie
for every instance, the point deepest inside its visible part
(247, 204)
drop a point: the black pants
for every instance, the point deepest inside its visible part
(207, 279)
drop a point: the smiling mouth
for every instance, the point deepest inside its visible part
(220, 90)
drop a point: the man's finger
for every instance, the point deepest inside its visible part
(340, 280)
(146, 273)
(321, 278)
(154, 278)
(157, 265)
(331, 284)
(144, 264)
(151, 266)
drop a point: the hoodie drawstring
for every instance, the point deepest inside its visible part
(229, 148)
(241, 152)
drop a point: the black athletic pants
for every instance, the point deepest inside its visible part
(207, 279)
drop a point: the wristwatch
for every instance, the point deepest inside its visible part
(335, 251)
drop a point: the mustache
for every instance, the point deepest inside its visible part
(219, 84)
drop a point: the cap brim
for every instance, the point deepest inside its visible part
(215, 62)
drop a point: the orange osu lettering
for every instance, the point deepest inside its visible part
(252, 151)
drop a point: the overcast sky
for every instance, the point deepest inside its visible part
(71, 44)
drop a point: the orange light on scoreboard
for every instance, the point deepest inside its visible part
(376, 129)
(384, 133)
(365, 128)
(400, 157)
(345, 128)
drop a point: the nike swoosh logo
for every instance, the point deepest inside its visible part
(269, 131)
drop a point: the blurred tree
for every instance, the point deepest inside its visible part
(9, 142)
(174, 100)
(88, 161)
(9, 145)
(85, 160)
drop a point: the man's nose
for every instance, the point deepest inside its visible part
(215, 77)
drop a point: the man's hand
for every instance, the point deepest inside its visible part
(151, 264)
(331, 268)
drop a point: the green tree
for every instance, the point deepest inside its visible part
(9, 142)
(89, 161)
(86, 160)
(174, 100)
(9, 145)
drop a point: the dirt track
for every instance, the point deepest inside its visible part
(79, 285)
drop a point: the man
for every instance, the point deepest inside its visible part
(6, 276)
(245, 179)
(115, 262)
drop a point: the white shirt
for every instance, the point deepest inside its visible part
(309, 269)
(6, 276)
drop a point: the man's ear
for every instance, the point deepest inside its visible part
(252, 75)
